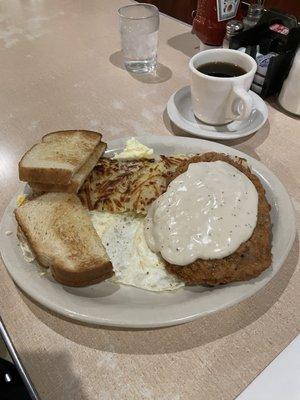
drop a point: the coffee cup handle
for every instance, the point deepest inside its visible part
(242, 104)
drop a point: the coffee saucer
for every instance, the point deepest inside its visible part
(180, 112)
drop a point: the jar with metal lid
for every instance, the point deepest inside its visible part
(254, 14)
(233, 27)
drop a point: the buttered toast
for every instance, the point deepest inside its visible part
(77, 179)
(58, 157)
(60, 233)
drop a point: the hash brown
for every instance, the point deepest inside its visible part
(251, 258)
(119, 186)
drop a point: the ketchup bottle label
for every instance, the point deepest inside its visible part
(227, 9)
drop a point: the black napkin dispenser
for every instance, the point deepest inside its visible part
(273, 43)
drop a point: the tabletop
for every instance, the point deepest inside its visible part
(61, 68)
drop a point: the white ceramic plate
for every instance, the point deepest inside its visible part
(124, 306)
(180, 111)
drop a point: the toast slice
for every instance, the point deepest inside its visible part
(58, 156)
(77, 179)
(60, 233)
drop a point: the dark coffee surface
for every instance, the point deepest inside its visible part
(221, 69)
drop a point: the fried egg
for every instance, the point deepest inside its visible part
(133, 262)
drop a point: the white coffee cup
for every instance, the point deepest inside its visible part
(218, 101)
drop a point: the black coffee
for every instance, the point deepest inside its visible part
(221, 69)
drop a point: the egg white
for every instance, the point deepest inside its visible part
(133, 262)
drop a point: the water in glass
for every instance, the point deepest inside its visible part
(139, 36)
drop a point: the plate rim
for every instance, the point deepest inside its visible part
(172, 111)
(112, 146)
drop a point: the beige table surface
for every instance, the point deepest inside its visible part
(60, 69)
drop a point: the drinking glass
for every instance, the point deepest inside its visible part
(139, 36)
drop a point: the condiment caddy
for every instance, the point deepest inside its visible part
(273, 43)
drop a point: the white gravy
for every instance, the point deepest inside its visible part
(206, 213)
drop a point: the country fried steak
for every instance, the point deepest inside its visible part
(251, 258)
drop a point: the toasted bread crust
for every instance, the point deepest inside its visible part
(70, 132)
(251, 258)
(95, 276)
(55, 175)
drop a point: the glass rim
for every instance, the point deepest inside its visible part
(155, 11)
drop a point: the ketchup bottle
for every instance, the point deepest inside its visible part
(211, 17)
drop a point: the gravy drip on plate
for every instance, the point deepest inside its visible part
(207, 213)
